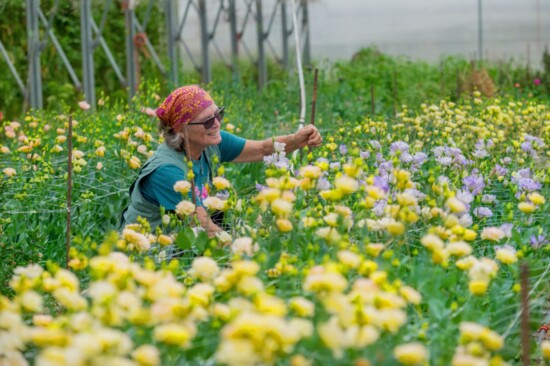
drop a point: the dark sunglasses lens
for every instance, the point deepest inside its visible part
(210, 123)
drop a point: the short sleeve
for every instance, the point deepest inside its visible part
(158, 187)
(230, 147)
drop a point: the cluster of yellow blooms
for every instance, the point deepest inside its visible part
(477, 346)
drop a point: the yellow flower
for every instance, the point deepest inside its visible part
(185, 208)
(283, 225)
(536, 198)
(281, 208)
(31, 301)
(164, 240)
(214, 204)
(100, 151)
(410, 295)
(349, 259)
(182, 186)
(526, 207)
(469, 235)
(346, 184)
(455, 205)
(432, 242)
(395, 228)
(470, 331)
(175, 334)
(506, 255)
(478, 287)
(459, 248)
(374, 249)
(204, 268)
(221, 183)
(134, 162)
(411, 354)
(302, 306)
(10, 172)
(146, 355)
(310, 171)
(492, 234)
(491, 339)
(545, 347)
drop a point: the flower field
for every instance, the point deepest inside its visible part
(398, 242)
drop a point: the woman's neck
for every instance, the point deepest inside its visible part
(195, 152)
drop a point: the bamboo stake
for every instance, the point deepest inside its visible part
(314, 100)
(69, 190)
(525, 339)
(188, 156)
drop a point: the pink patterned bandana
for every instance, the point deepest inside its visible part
(183, 105)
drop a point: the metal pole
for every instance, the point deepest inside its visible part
(87, 51)
(305, 29)
(171, 11)
(59, 49)
(262, 65)
(286, 34)
(12, 69)
(205, 40)
(479, 31)
(234, 39)
(131, 70)
(35, 77)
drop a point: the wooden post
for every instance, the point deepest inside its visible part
(314, 99)
(69, 190)
(525, 336)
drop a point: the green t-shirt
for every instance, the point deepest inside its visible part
(158, 187)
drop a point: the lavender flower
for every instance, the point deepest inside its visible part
(466, 220)
(488, 198)
(335, 166)
(500, 170)
(438, 151)
(538, 241)
(474, 183)
(379, 208)
(419, 158)
(399, 146)
(406, 158)
(480, 154)
(444, 160)
(507, 229)
(375, 144)
(343, 149)
(528, 184)
(482, 212)
(323, 184)
(381, 183)
(259, 187)
(364, 154)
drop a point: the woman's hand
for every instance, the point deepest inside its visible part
(307, 136)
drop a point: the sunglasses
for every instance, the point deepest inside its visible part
(209, 123)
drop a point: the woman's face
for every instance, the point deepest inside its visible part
(199, 136)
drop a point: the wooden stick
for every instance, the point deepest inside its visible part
(188, 155)
(314, 100)
(69, 190)
(525, 337)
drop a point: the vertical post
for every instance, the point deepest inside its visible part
(87, 51)
(171, 11)
(234, 39)
(131, 79)
(205, 40)
(35, 77)
(305, 29)
(262, 65)
(69, 190)
(525, 333)
(285, 34)
(479, 31)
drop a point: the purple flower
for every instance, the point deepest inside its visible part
(375, 144)
(381, 183)
(386, 166)
(526, 146)
(474, 183)
(379, 208)
(379, 157)
(537, 82)
(488, 198)
(438, 151)
(506, 160)
(464, 196)
(538, 241)
(399, 146)
(223, 195)
(500, 170)
(323, 184)
(444, 160)
(490, 144)
(259, 187)
(406, 158)
(419, 158)
(482, 212)
(466, 220)
(528, 184)
(507, 229)
(343, 149)
(364, 154)
(480, 144)
(454, 151)
(480, 154)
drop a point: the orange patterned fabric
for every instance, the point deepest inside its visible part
(183, 105)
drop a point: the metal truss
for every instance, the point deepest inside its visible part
(234, 19)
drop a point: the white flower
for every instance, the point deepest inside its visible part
(244, 245)
(185, 208)
(204, 268)
(214, 203)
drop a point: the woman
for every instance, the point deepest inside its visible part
(190, 110)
